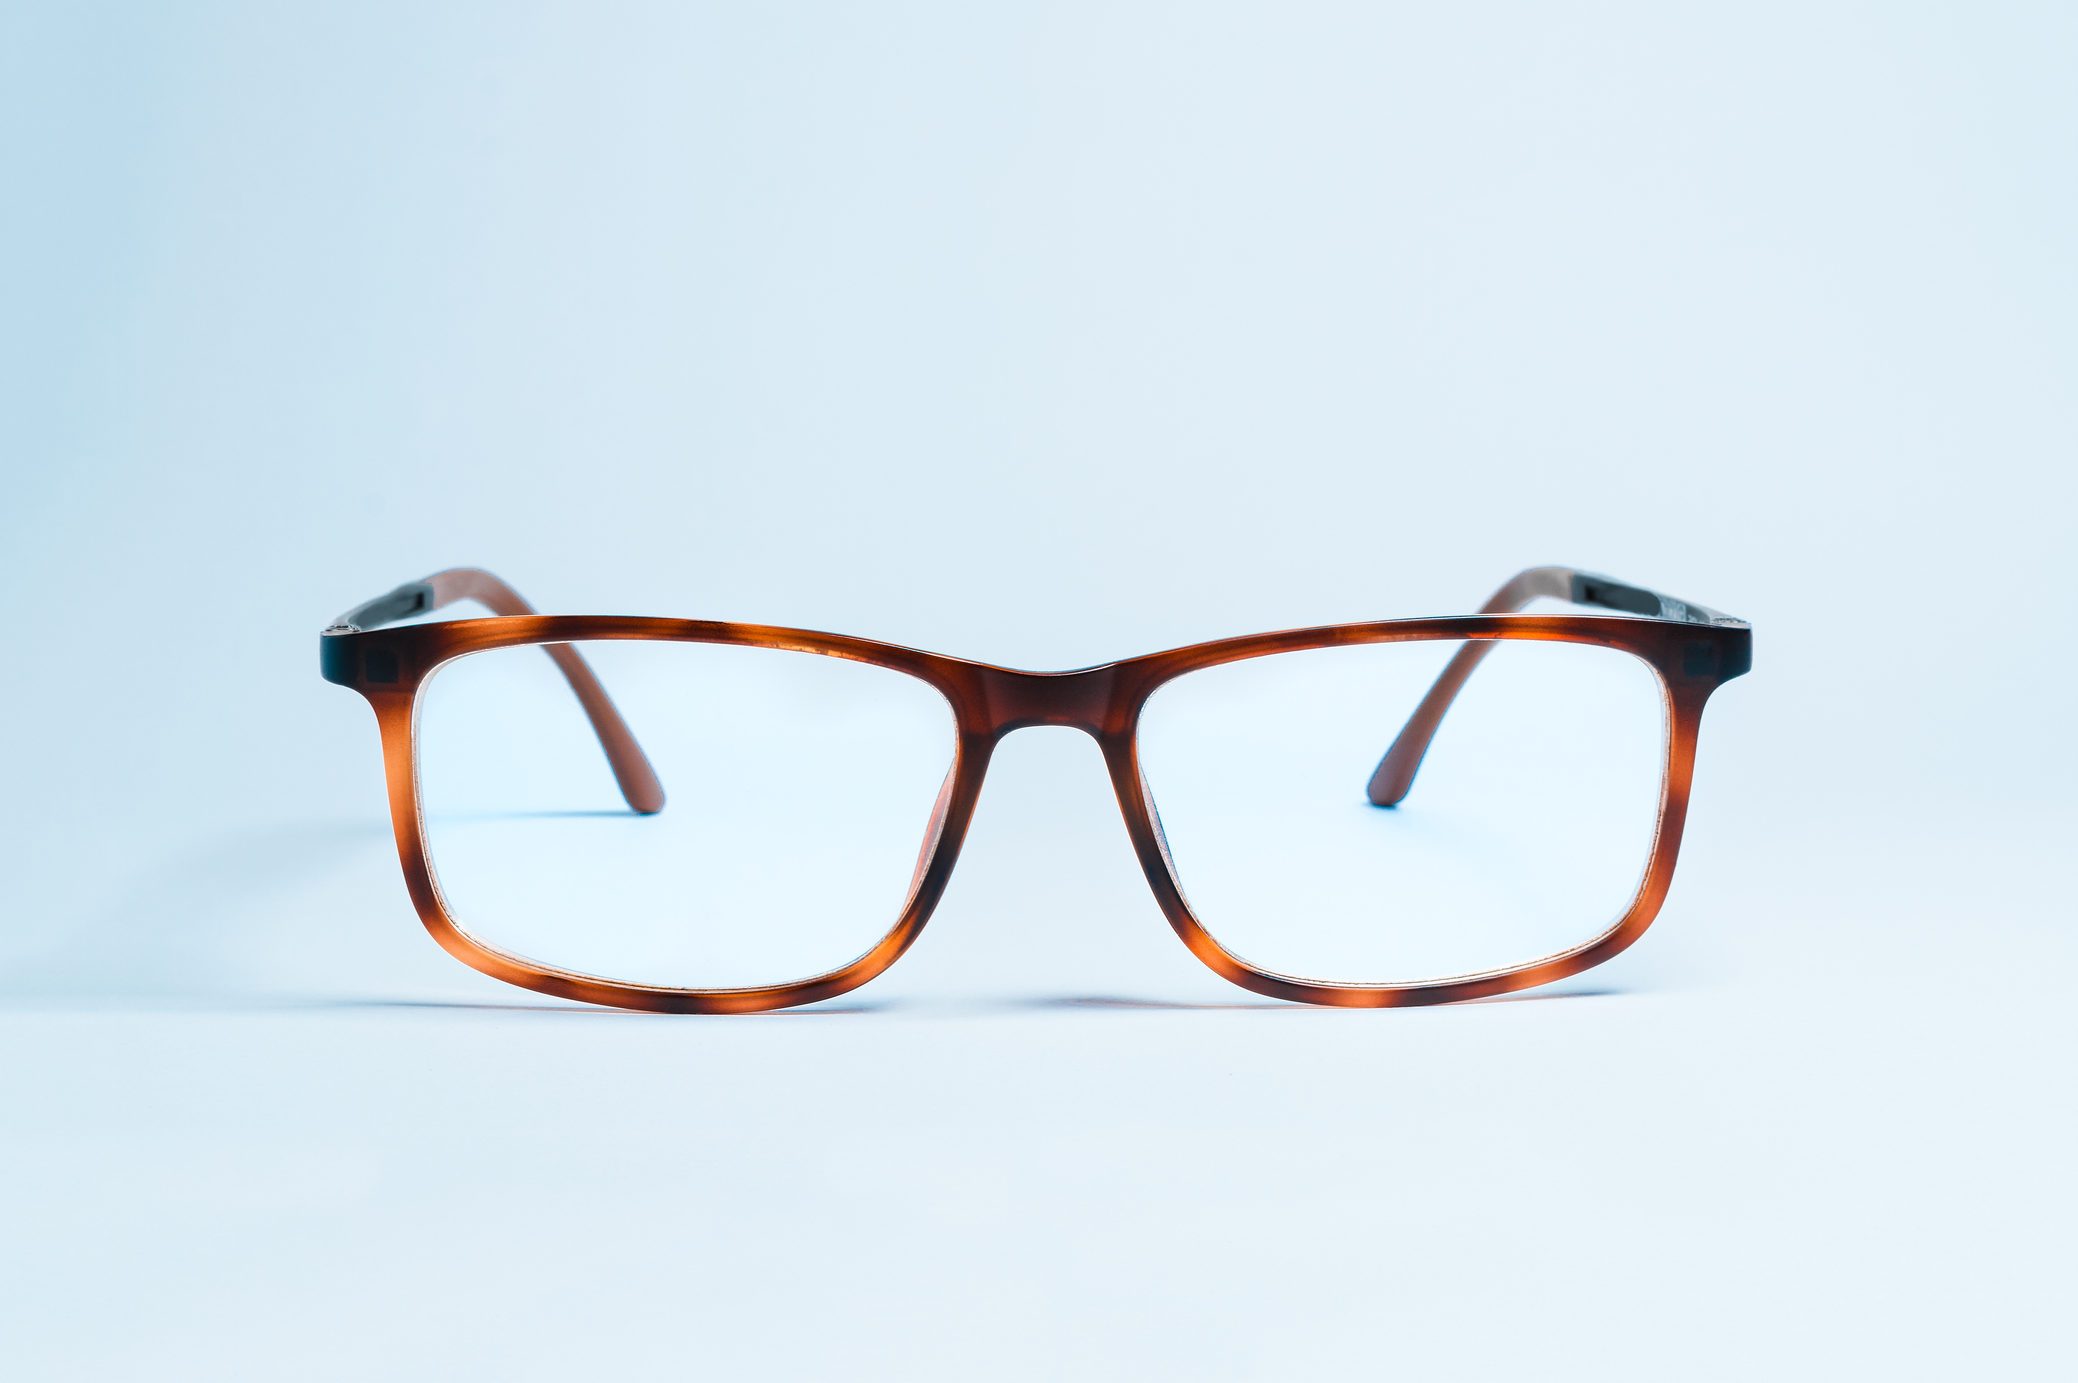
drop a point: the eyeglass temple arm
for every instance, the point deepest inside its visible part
(631, 767)
(1394, 775)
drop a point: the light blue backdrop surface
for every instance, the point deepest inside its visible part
(1042, 334)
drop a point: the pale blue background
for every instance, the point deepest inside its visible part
(1045, 334)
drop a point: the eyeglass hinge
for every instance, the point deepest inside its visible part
(412, 598)
(1614, 595)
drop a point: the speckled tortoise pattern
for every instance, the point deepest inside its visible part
(1693, 651)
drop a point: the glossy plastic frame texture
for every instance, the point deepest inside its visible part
(1693, 651)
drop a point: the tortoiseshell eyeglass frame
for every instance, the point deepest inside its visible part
(1692, 650)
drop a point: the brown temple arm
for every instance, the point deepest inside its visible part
(631, 768)
(1395, 772)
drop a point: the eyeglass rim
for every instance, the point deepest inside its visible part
(1691, 658)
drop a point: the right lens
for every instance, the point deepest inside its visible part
(800, 795)
(1526, 834)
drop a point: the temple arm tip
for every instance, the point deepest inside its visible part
(1389, 782)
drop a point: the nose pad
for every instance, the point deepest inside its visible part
(932, 832)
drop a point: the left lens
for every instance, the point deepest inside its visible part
(800, 790)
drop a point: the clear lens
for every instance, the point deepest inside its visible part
(1526, 834)
(800, 790)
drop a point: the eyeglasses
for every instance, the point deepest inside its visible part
(821, 786)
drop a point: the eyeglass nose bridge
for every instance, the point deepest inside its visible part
(1084, 699)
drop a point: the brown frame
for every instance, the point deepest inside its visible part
(1693, 651)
